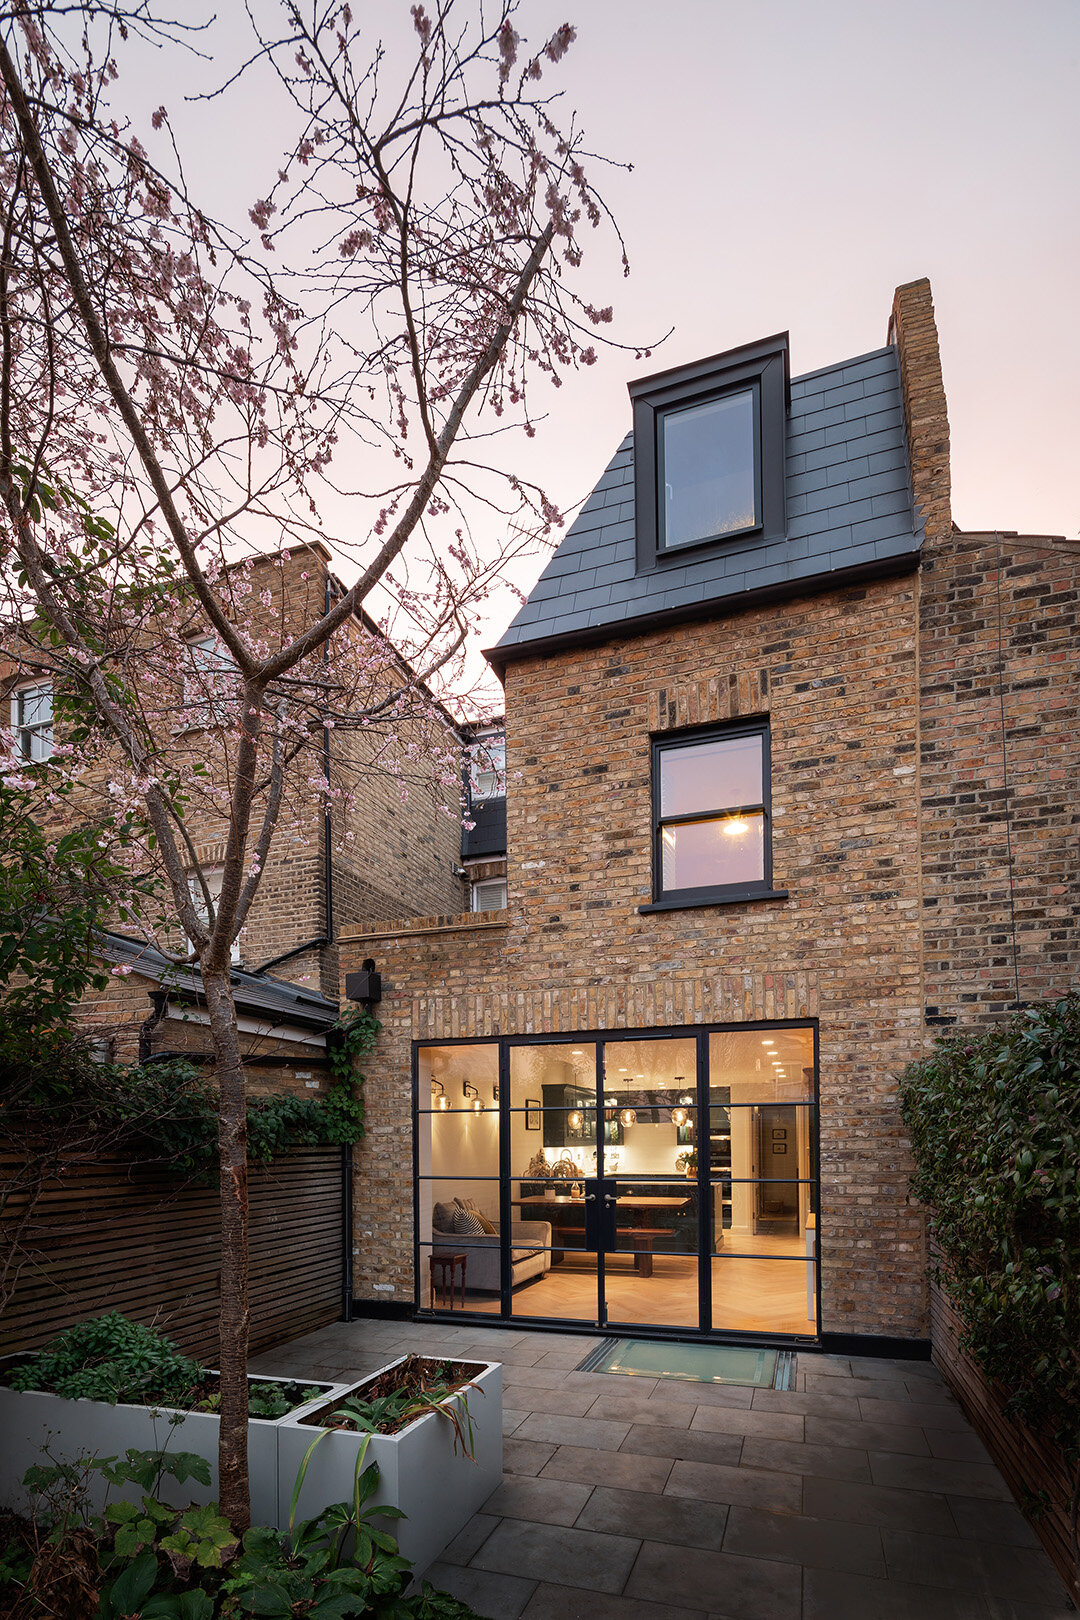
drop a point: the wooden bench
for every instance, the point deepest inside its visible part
(640, 1236)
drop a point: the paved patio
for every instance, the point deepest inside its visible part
(861, 1495)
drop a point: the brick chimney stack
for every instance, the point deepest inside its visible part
(913, 330)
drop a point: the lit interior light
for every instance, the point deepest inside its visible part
(735, 826)
(768, 1043)
(628, 1116)
(575, 1119)
(444, 1102)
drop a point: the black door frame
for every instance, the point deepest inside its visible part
(598, 1037)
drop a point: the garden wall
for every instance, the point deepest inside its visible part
(112, 1236)
(1031, 1467)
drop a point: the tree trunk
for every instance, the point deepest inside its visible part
(233, 1316)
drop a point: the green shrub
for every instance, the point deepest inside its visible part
(994, 1121)
(111, 1359)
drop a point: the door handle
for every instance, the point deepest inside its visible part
(590, 1198)
(608, 1199)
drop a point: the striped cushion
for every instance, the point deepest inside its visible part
(468, 1224)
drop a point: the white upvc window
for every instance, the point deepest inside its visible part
(487, 765)
(213, 876)
(489, 895)
(32, 720)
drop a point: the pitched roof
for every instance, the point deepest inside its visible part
(849, 508)
(255, 993)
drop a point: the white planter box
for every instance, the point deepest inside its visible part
(32, 1420)
(419, 1472)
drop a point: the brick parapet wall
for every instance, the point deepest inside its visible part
(1000, 764)
(836, 674)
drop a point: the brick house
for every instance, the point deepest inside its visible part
(373, 857)
(791, 767)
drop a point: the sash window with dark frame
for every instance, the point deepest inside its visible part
(711, 815)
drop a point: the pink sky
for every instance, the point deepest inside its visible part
(793, 163)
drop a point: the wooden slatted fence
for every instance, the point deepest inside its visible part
(115, 1236)
(1031, 1466)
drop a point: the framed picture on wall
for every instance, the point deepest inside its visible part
(779, 1147)
(779, 1133)
(532, 1113)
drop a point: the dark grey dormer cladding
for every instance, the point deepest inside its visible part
(849, 515)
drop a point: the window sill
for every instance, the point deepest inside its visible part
(745, 898)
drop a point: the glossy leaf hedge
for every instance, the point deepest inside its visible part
(994, 1120)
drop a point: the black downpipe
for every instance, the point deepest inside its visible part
(346, 1237)
(328, 825)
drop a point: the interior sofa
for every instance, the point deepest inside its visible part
(530, 1253)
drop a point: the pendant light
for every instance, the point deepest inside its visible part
(679, 1115)
(628, 1115)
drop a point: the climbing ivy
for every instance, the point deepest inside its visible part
(994, 1121)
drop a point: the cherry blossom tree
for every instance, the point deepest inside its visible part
(182, 397)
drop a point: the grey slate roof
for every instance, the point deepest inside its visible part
(849, 504)
(256, 993)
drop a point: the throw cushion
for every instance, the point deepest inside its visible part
(489, 1226)
(442, 1217)
(468, 1224)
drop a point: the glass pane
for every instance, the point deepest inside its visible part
(650, 1107)
(712, 775)
(553, 1115)
(651, 1276)
(764, 1295)
(705, 854)
(35, 705)
(707, 454)
(444, 1072)
(762, 1065)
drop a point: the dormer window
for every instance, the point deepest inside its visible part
(709, 453)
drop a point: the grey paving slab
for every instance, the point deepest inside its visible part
(882, 1389)
(764, 1425)
(532, 1377)
(571, 1431)
(756, 1487)
(814, 1543)
(839, 1595)
(794, 1457)
(737, 1588)
(825, 1366)
(569, 1603)
(875, 1504)
(690, 1443)
(937, 1474)
(867, 1436)
(626, 1469)
(958, 1445)
(547, 1501)
(925, 1414)
(658, 1518)
(526, 1456)
(991, 1521)
(643, 1409)
(1018, 1573)
(808, 1403)
(497, 1596)
(589, 1559)
(560, 1402)
(468, 1541)
(512, 1419)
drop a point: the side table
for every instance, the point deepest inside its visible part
(448, 1264)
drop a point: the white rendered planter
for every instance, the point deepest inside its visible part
(437, 1488)
(32, 1420)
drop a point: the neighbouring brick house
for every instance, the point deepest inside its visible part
(792, 770)
(371, 856)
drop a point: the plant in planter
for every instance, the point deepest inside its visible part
(110, 1383)
(434, 1429)
(687, 1163)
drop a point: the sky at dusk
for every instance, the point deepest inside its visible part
(792, 163)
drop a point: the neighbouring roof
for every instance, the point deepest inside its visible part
(256, 994)
(849, 508)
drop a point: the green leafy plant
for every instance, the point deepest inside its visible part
(410, 1390)
(110, 1358)
(994, 1121)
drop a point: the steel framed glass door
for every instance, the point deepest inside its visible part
(665, 1180)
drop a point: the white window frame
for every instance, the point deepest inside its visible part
(27, 733)
(487, 883)
(488, 780)
(200, 710)
(213, 876)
